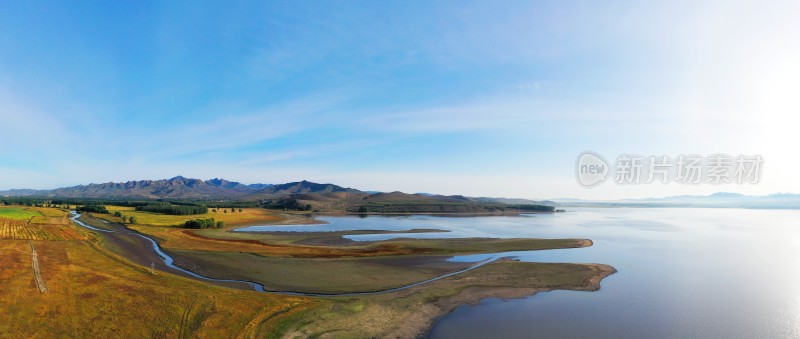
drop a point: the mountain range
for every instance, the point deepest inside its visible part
(335, 196)
(187, 188)
(300, 195)
(179, 188)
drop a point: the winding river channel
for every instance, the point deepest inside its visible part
(167, 260)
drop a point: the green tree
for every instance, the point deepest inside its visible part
(220, 224)
(132, 219)
(117, 214)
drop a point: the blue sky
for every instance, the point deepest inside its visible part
(476, 98)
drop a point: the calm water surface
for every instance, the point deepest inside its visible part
(683, 273)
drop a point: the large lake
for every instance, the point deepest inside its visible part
(683, 273)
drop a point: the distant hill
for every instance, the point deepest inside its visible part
(306, 187)
(399, 202)
(417, 197)
(20, 192)
(516, 201)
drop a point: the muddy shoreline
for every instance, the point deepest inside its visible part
(474, 296)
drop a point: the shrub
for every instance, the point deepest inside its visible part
(93, 208)
(200, 223)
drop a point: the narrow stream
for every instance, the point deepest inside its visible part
(166, 257)
(169, 261)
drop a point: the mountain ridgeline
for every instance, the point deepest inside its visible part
(178, 188)
(301, 195)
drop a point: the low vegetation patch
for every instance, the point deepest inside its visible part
(317, 275)
(18, 213)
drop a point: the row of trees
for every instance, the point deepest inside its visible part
(32, 204)
(130, 220)
(230, 204)
(204, 223)
(233, 210)
(167, 208)
(25, 202)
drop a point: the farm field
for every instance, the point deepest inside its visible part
(36, 223)
(51, 216)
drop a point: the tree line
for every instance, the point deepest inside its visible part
(167, 208)
(535, 208)
(204, 223)
(93, 208)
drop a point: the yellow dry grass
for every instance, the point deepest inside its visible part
(50, 216)
(247, 216)
(92, 294)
